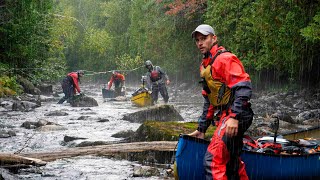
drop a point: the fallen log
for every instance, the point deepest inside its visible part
(13, 159)
(105, 150)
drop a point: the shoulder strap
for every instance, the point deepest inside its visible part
(217, 54)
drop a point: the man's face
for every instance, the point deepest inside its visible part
(149, 67)
(205, 43)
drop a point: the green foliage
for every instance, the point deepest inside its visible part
(125, 62)
(25, 43)
(266, 34)
(9, 86)
(312, 31)
(41, 40)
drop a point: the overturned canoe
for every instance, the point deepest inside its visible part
(191, 151)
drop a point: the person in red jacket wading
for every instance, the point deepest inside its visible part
(119, 83)
(227, 90)
(70, 85)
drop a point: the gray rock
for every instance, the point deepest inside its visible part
(83, 101)
(56, 113)
(156, 113)
(71, 138)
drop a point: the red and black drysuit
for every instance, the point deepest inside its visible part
(118, 80)
(222, 159)
(155, 79)
(70, 85)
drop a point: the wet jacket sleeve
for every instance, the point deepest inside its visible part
(206, 117)
(242, 94)
(75, 81)
(110, 82)
(232, 72)
(122, 79)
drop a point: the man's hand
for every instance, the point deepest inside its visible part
(197, 134)
(168, 82)
(232, 127)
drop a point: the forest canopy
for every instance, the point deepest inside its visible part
(277, 41)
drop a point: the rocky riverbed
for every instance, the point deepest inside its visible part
(63, 126)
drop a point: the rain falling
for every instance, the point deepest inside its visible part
(154, 89)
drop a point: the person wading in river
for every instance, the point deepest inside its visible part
(119, 83)
(70, 85)
(157, 80)
(227, 91)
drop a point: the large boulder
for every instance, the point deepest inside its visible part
(46, 89)
(28, 87)
(83, 101)
(155, 113)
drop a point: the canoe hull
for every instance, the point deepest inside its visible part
(190, 153)
(142, 99)
(108, 93)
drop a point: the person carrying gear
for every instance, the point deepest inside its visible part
(157, 80)
(70, 85)
(119, 83)
(227, 90)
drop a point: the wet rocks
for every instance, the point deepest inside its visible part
(46, 89)
(83, 101)
(156, 113)
(145, 171)
(56, 113)
(71, 138)
(6, 133)
(34, 125)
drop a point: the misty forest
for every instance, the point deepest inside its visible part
(47, 45)
(277, 41)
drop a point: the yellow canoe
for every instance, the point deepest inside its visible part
(141, 98)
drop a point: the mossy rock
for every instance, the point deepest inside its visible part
(166, 131)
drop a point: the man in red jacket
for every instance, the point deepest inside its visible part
(70, 85)
(119, 82)
(227, 90)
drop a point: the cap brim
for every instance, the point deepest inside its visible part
(199, 31)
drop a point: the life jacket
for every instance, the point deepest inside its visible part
(155, 75)
(218, 93)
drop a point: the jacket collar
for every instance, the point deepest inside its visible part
(207, 56)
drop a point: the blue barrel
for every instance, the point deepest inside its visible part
(189, 157)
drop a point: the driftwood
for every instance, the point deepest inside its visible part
(39, 158)
(11, 160)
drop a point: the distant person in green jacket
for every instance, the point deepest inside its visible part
(70, 85)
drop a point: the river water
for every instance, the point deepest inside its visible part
(82, 122)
